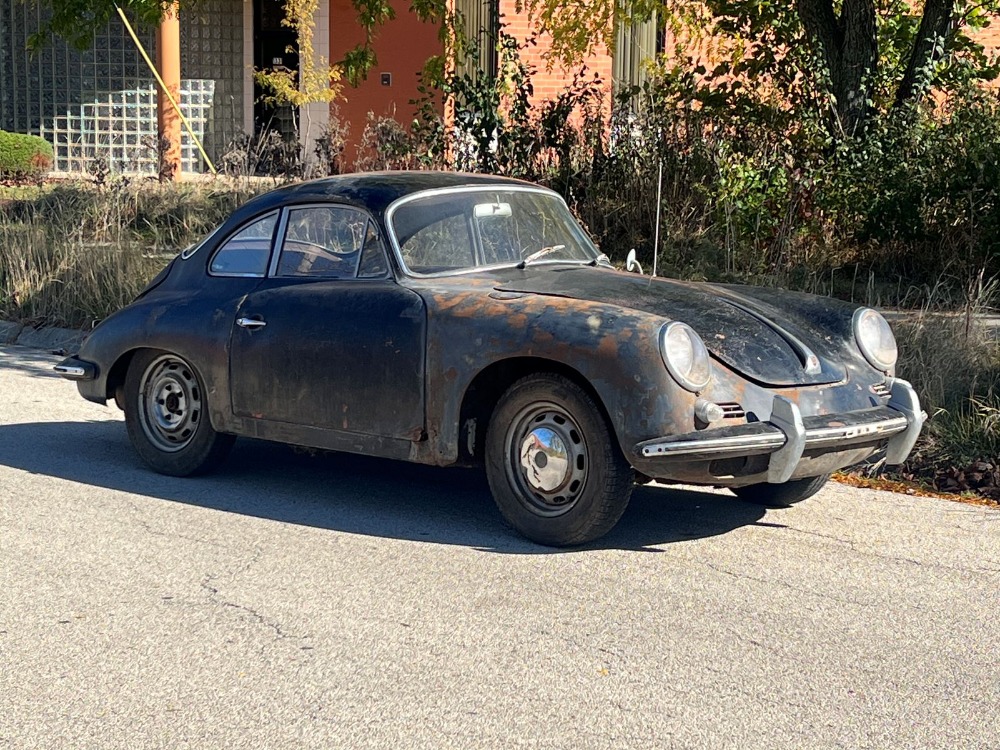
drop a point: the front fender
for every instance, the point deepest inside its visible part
(616, 350)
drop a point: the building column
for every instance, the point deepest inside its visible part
(168, 62)
(248, 85)
(314, 118)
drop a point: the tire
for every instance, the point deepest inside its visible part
(546, 421)
(781, 495)
(166, 413)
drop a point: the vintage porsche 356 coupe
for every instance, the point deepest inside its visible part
(447, 318)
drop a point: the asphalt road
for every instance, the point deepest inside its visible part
(294, 601)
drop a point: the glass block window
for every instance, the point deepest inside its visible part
(212, 50)
(56, 81)
(119, 130)
(101, 103)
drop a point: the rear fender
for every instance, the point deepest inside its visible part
(193, 327)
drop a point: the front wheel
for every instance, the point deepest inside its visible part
(781, 495)
(166, 413)
(553, 463)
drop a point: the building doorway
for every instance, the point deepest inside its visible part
(274, 47)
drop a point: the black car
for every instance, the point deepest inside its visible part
(447, 318)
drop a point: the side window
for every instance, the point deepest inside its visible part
(373, 262)
(441, 246)
(323, 242)
(246, 253)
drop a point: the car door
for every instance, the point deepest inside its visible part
(329, 340)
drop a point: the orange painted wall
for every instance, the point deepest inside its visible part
(402, 46)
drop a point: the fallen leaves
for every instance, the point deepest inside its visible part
(919, 490)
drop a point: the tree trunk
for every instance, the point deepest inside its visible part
(849, 45)
(935, 26)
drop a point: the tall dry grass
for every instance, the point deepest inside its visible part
(952, 358)
(74, 253)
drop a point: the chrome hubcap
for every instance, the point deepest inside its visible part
(547, 459)
(170, 403)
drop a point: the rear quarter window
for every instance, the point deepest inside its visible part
(247, 252)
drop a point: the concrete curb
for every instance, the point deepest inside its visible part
(49, 338)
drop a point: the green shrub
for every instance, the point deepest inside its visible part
(22, 155)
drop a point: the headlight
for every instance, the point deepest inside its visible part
(875, 339)
(685, 356)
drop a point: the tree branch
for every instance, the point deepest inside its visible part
(823, 28)
(860, 61)
(850, 48)
(934, 28)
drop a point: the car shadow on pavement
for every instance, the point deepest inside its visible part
(353, 494)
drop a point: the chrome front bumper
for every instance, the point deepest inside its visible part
(787, 434)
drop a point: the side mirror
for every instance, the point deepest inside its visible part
(631, 264)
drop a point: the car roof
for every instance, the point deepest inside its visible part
(376, 191)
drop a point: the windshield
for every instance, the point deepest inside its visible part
(464, 229)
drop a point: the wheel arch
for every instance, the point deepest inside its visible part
(115, 381)
(490, 383)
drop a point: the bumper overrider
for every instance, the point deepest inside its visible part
(787, 435)
(74, 368)
(86, 375)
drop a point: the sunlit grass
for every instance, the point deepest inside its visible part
(72, 253)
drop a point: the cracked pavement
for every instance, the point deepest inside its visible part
(334, 601)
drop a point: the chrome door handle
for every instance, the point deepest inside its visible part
(251, 323)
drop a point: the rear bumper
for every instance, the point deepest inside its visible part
(788, 435)
(74, 368)
(87, 377)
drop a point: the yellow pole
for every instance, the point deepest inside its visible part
(166, 90)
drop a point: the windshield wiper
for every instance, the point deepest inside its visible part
(538, 254)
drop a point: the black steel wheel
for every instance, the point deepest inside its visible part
(781, 495)
(166, 413)
(553, 464)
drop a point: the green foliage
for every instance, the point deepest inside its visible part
(498, 126)
(316, 80)
(77, 21)
(385, 144)
(23, 155)
(752, 188)
(921, 192)
(806, 59)
(771, 46)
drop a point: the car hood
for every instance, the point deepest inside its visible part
(759, 340)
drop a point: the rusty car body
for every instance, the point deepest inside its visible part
(447, 318)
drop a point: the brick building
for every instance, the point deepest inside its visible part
(102, 103)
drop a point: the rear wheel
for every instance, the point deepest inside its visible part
(166, 413)
(781, 495)
(553, 464)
